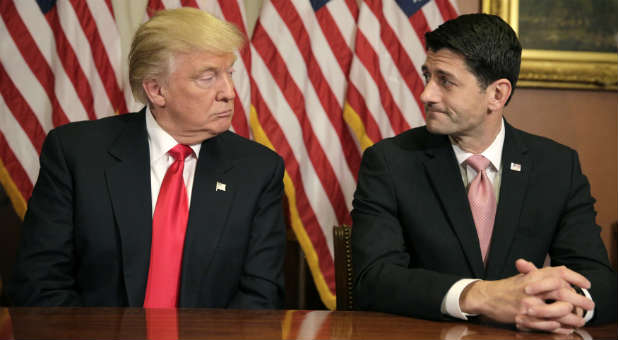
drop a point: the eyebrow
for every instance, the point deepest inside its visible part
(424, 68)
(215, 68)
(445, 73)
(206, 69)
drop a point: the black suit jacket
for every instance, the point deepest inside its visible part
(87, 233)
(414, 235)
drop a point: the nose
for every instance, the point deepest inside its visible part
(226, 88)
(430, 93)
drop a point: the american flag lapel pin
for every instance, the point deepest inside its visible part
(515, 166)
(220, 187)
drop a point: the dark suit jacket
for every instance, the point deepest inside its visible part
(87, 233)
(414, 235)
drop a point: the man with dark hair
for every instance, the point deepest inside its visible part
(456, 218)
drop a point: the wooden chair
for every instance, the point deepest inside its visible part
(342, 236)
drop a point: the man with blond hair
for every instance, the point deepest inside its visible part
(163, 207)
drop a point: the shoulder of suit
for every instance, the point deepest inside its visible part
(93, 134)
(243, 147)
(536, 142)
(114, 121)
(418, 138)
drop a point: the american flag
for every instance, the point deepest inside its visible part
(59, 62)
(319, 82)
(330, 80)
(301, 54)
(386, 78)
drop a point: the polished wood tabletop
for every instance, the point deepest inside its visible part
(137, 323)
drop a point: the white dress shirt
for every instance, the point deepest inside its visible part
(159, 143)
(450, 303)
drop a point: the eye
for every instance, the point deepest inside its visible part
(206, 77)
(426, 77)
(445, 81)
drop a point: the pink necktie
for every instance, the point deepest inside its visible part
(482, 202)
(169, 225)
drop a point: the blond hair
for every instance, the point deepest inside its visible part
(174, 31)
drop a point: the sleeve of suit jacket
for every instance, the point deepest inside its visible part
(577, 244)
(45, 261)
(261, 283)
(383, 280)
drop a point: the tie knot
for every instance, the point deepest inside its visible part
(478, 162)
(180, 152)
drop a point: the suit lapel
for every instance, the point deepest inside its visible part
(443, 171)
(210, 205)
(512, 193)
(129, 185)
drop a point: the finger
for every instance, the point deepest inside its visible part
(533, 323)
(560, 330)
(572, 320)
(571, 296)
(523, 328)
(544, 285)
(560, 311)
(554, 277)
(550, 310)
(572, 277)
(530, 302)
(524, 266)
(563, 330)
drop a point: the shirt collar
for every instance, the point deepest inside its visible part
(160, 141)
(493, 152)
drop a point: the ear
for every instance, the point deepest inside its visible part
(498, 93)
(154, 91)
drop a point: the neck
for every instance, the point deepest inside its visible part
(189, 139)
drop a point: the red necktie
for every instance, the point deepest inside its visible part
(482, 202)
(169, 225)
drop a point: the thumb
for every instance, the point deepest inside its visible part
(524, 266)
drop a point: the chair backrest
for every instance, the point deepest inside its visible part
(342, 236)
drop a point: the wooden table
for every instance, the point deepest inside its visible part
(137, 323)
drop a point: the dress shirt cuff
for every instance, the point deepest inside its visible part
(589, 313)
(450, 303)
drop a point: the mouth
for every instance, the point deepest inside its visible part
(433, 113)
(225, 114)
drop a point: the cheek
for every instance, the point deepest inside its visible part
(454, 108)
(200, 102)
(466, 107)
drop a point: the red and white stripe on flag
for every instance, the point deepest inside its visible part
(234, 12)
(383, 97)
(301, 55)
(59, 62)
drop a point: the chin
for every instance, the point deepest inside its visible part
(219, 129)
(434, 127)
